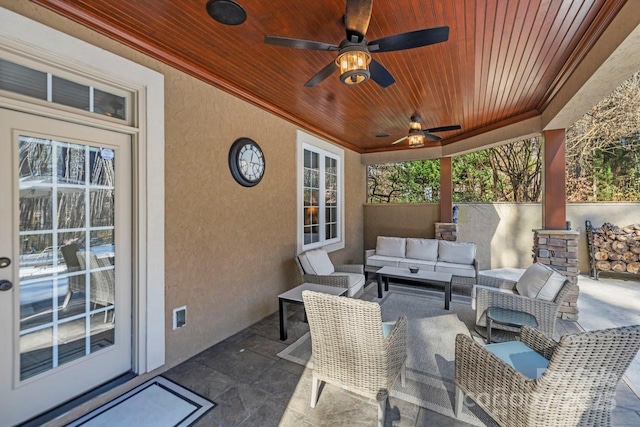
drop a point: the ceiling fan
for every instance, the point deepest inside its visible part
(354, 59)
(417, 135)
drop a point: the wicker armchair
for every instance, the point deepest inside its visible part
(349, 276)
(102, 280)
(504, 295)
(350, 349)
(576, 388)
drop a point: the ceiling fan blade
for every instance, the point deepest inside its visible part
(444, 128)
(299, 43)
(380, 74)
(410, 40)
(322, 74)
(356, 18)
(432, 137)
(397, 141)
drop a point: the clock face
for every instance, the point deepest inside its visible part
(246, 162)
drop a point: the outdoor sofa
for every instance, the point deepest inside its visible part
(457, 258)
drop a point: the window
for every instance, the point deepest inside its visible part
(320, 195)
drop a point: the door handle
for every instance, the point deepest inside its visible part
(4, 262)
(5, 285)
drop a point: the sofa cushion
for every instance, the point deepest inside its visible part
(383, 261)
(356, 281)
(474, 292)
(540, 281)
(426, 249)
(456, 252)
(423, 264)
(464, 270)
(520, 357)
(391, 246)
(316, 262)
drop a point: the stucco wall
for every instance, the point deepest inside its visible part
(501, 231)
(229, 249)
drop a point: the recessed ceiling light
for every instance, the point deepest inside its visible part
(226, 12)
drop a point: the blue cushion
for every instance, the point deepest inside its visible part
(387, 327)
(523, 359)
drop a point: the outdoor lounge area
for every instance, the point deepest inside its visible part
(254, 386)
(179, 178)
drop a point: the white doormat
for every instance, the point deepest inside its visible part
(156, 403)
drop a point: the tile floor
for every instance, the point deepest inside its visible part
(254, 387)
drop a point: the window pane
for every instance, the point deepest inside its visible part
(25, 81)
(71, 342)
(36, 305)
(36, 353)
(35, 161)
(102, 208)
(35, 209)
(108, 104)
(102, 165)
(69, 93)
(70, 163)
(71, 208)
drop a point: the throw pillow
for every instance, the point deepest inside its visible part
(550, 290)
(391, 246)
(456, 252)
(540, 281)
(426, 249)
(317, 262)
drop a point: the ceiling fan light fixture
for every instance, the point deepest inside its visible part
(353, 62)
(415, 138)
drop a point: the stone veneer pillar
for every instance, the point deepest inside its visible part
(447, 231)
(559, 250)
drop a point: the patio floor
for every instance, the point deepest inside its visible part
(254, 387)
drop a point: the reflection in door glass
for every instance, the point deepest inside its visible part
(67, 252)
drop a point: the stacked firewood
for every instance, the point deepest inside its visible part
(617, 248)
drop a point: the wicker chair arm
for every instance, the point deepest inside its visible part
(337, 281)
(395, 347)
(479, 373)
(545, 312)
(350, 268)
(536, 340)
(497, 282)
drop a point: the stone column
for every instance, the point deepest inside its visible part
(447, 231)
(559, 250)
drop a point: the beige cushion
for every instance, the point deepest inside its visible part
(474, 292)
(316, 262)
(540, 281)
(356, 281)
(456, 252)
(391, 246)
(426, 249)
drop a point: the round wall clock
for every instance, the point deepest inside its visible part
(246, 162)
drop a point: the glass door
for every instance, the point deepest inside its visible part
(65, 229)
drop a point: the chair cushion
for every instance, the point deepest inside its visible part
(540, 281)
(456, 252)
(356, 281)
(391, 246)
(316, 262)
(426, 249)
(387, 327)
(474, 292)
(520, 357)
(383, 261)
(464, 270)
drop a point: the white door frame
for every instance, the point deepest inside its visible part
(23, 35)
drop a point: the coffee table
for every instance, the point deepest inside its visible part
(295, 296)
(508, 317)
(421, 276)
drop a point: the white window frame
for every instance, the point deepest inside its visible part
(323, 148)
(35, 40)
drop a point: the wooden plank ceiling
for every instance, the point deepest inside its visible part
(503, 62)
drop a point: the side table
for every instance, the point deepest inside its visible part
(507, 317)
(295, 296)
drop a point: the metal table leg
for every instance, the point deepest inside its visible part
(447, 295)
(379, 277)
(283, 319)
